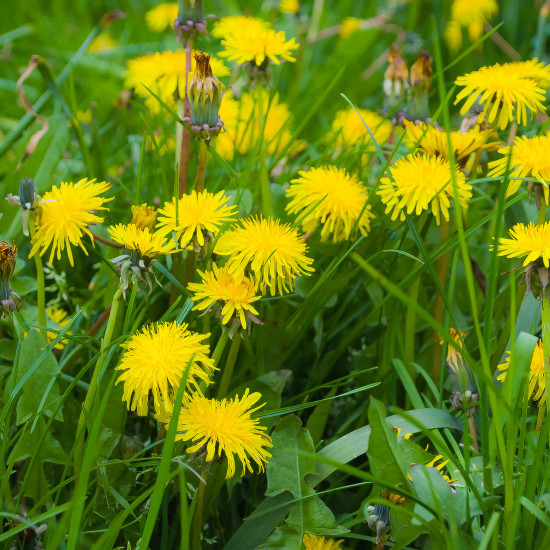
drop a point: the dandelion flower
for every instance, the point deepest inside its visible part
(225, 427)
(537, 383)
(313, 542)
(471, 14)
(349, 25)
(135, 239)
(253, 45)
(162, 16)
(529, 158)
(155, 361)
(434, 142)
(220, 289)
(454, 359)
(531, 241)
(234, 24)
(59, 317)
(66, 214)
(420, 182)
(439, 467)
(102, 43)
(197, 215)
(348, 129)
(164, 73)
(274, 252)
(144, 216)
(504, 91)
(289, 6)
(534, 69)
(331, 198)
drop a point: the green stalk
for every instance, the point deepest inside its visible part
(220, 346)
(264, 174)
(229, 366)
(542, 214)
(540, 40)
(90, 396)
(185, 148)
(197, 517)
(40, 286)
(201, 167)
(546, 345)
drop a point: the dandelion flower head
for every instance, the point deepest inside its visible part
(162, 16)
(537, 383)
(349, 25)
(133, 238)
(471, 14)
(422, 182)
(273, 252)
(66, 214)
(144, 216)
(196, 214)
(348, 129)
(234, 24)
(331, 198)
(220, 288)
(226, 428)
(505, 92)
(59, 319)
(529, 158)
(253, 45)
(314, 542)
(102, 43)
(289, 6)
(155, 360)
(531, 241)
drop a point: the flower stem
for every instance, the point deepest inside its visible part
(264, 175)
(197, 517)
(40, 286)
(186, 136)
(220, 346)
(103, 240)
(90, 396)
(229, 366)
(542, 214)
(546, 345)
(189, 267)
(201, 167)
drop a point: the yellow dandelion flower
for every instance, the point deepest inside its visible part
(434, 142)
(537, 382)
(59, 319)
(162, 17)
(289, 6)
(196, 214)
(144, 216)
(155, 361)
(532, 241)
(439, 467)
(313, 542)
(164, 74)
(505, 93)
(140, 240)
(534, 69)
(220, 289)
(420, 182)
(66, 214)
(243, 126)
(331, 198)
(529, 158)
(349, 25)
(274, 252)
(102, 43)
(453, 35)
(252, 45)
(471, 14)
(454, 358)
(348, 129)
(84, 117)
(226, 428)
(234, 24)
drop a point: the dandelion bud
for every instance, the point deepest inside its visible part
(461, 376)
(144, 216)
(190, 18)
(9, 300)
(395, 79)
(419, 79)
(28, 200)
(205, 96)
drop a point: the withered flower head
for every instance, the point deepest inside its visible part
(396, 75)
(9, 300)
(421, 69)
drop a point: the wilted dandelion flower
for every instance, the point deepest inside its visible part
(537, 383)
(421, 182)
(66, 214)
(234, 24)
(144, 216)
(471, 14)
(164, 73)
(529, 158)
(275, 253)
(531, 241)
(330, 198)
(434, 142)
(395, 78)
(348, 129)
(162, 16)
(155, 361)
(220, 290)
(255, 46)
(505, 92)
(9, 300)
(198, 217)
(313, 542)
(225, 428)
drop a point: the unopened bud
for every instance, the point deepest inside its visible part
(144, 216)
